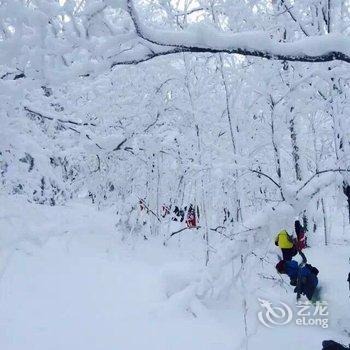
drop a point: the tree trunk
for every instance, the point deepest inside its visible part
(346, 190)
(324, 222)
(295, 149)
(199, 159)
(275, 148)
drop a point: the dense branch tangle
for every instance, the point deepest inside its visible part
(143, 43)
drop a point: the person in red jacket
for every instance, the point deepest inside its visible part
(142, 204)
(191, 217)
(300, 233)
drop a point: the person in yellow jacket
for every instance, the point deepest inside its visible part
(284, 241)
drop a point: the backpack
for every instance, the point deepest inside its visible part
(312, 269)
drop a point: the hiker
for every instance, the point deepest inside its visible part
(179, 214)
(300, 233)
(165, 210)
(284, 241)
(304, 277)
(191, 217)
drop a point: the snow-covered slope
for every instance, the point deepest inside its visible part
(85, 294)
(74, 285)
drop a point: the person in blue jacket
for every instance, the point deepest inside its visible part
(303, 277)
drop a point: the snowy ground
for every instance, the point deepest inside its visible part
(72, 285)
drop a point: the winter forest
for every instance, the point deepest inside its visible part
(154, 154)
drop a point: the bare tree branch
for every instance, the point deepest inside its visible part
(183, 229)
(293, 17)
(189, 12)
(148, 209)
(15, 76)
(153, 123)
(98, 164)
(120, 145)
(265, 175)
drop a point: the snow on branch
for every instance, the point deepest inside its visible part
(75, 48)
(60, 120)
(78, 50)
(256, 43)
(106, 143)
(318, 173)
(260, 173)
